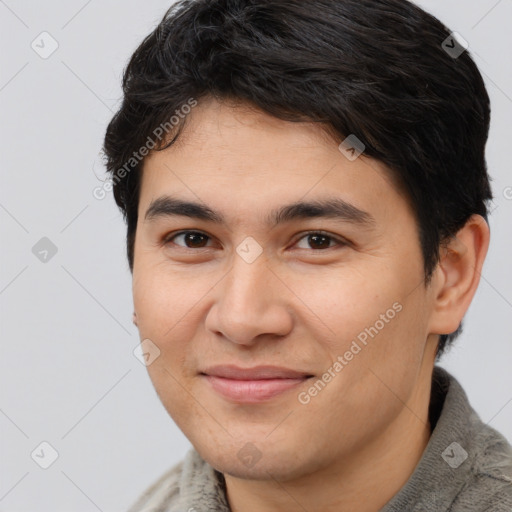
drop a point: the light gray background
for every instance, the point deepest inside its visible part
(68, 374)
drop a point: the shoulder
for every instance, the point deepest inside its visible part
(489, 484)
(467, 464)
(163, 491)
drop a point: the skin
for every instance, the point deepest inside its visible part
(356, 443)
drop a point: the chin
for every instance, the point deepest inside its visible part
(249, 463)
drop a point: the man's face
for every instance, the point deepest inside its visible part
(346, 308)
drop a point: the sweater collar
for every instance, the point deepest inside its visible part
(444, 468)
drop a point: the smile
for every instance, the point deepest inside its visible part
(252, 385)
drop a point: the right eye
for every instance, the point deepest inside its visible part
(191, 239)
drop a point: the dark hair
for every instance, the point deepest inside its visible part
(374, 68)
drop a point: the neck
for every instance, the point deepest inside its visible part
(365, 481)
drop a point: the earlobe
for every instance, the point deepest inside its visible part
(458, 274)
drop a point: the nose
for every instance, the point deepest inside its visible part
(251, 303)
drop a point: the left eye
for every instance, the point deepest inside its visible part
(316, 240)
(320, 240)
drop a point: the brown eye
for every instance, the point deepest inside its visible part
(318, 241)
(191, 239)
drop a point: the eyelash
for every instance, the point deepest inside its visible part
(340, 242)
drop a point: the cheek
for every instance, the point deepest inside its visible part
(165, 313)
(391, 352)
(343, 303)
(170, 311)
(163, 296)
(173, 390)
(380, 329)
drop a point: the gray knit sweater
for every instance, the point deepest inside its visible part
(466, 467)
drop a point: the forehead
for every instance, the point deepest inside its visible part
(235, 154)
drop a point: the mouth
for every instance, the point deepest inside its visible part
(253, 385)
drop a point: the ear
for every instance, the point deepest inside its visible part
(457, 275)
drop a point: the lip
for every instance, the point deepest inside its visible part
(252, 385)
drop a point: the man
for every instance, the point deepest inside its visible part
(306, 193)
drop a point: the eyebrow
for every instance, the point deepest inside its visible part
(329, 208)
